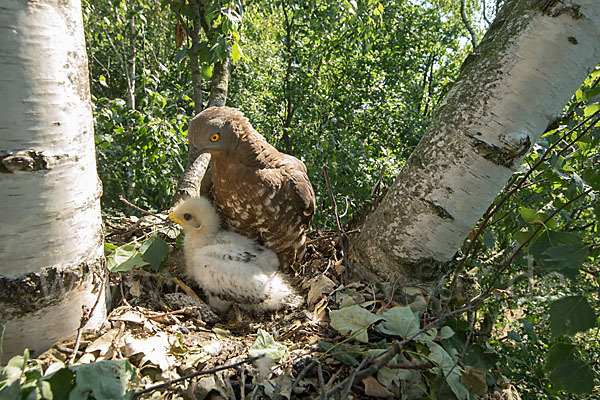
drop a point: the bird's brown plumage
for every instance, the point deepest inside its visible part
(263, 193)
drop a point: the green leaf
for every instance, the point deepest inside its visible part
(155, 251)
(340, 353)
(591, 109)
(106, 380)
(109, 246)
(573, 375)
(61, 383)
(207, 71)
(562, 252)
(446, 363)
(266, 344)
(537, 217)
(354, 320)
(180, 54)
(565, 259)
(570, 315)
(125, 258)
(558, 353)
(399, 321)
(236, 52)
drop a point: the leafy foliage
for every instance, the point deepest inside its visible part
(26, 378)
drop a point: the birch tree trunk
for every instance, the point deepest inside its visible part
(51, 239)
(533, 58)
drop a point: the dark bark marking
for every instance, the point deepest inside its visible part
(437, 209)
(38, 290)
(504, 156)
(26, 161)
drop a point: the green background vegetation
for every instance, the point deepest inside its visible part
(352, 85)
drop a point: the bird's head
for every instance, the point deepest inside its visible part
(217, 129)
(196, 215)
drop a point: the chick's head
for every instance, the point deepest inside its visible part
(196, 214)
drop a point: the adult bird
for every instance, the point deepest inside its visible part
(263, 193)
(230, 268)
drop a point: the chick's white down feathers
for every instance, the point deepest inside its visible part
(229, 267)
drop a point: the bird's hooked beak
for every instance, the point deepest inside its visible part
(175, 219)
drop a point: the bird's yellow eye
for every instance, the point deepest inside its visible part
(215, 137)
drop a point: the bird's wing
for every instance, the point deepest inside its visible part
(301, 194)
(230, 274)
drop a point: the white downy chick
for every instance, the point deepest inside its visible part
(229, 267)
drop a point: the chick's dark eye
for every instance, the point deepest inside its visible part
(187, 216)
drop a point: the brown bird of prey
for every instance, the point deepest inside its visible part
(229, 267)
(263, 193)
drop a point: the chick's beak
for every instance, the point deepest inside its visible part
(175, 219)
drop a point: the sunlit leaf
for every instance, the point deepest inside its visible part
(399, 321)
(106, 380)
(266, 344)
(353, 320)
(125, 258)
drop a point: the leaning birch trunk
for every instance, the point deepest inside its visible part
(51, 239)
(517, 81)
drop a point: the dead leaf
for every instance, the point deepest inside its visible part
(154, 349)
(130, 316)
(135, 288)
(319, 285)
(375, 389)
(179, 35)
(474, 378)
(103, 343)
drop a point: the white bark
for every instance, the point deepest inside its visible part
(51, 258)
(533, 58)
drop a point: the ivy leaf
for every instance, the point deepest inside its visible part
(570, 315)
(155, 251)
(266, 344)
(61, 382)
(399, 321)
(125, 258)
(354, 320)
(573, 375)
(446, 363)
(107, 380)
(340, 355)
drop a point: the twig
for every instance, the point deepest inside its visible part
(494, 209)
(85, 317)
(254, 391)
(486, 293)
(338, 222)
(197, 373)
(130, 204)
(304, 371)
(419, 366)
(378, 183)
(243, 383)
(352, 378)
(321, 380)
(331, 235)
